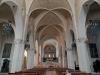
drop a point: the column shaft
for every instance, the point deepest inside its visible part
(70, 58)
(17, 56)
(30, 60)
(83, 56)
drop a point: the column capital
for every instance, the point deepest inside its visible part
(20, 41)
(81, 39)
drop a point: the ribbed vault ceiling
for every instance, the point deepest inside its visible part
(49, 4)
(6, 12)
(50, 18)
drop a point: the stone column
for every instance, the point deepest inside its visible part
(1, 51)
(40, 57)
(76, 56)
(57, 51)
(60, 56)
(83, 55)
(42, 53)
(63, 57)
(30, 60)
(70, 58)
(17, 56)
(66, 62)
(36, 54)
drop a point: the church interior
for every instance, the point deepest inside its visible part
(49, 37)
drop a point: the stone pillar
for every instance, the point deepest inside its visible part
(36, 54)
(76, 56)
(70, 58)
(1, 50)
(30, 60)
(63, 57)
(83, 55)
(66, 62)
(60, 56)
(17, 56)
(40, 56)
(57, 51)
(42, 53)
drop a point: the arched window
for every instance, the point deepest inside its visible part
(93, 31)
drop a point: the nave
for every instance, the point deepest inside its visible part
(49, 37)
